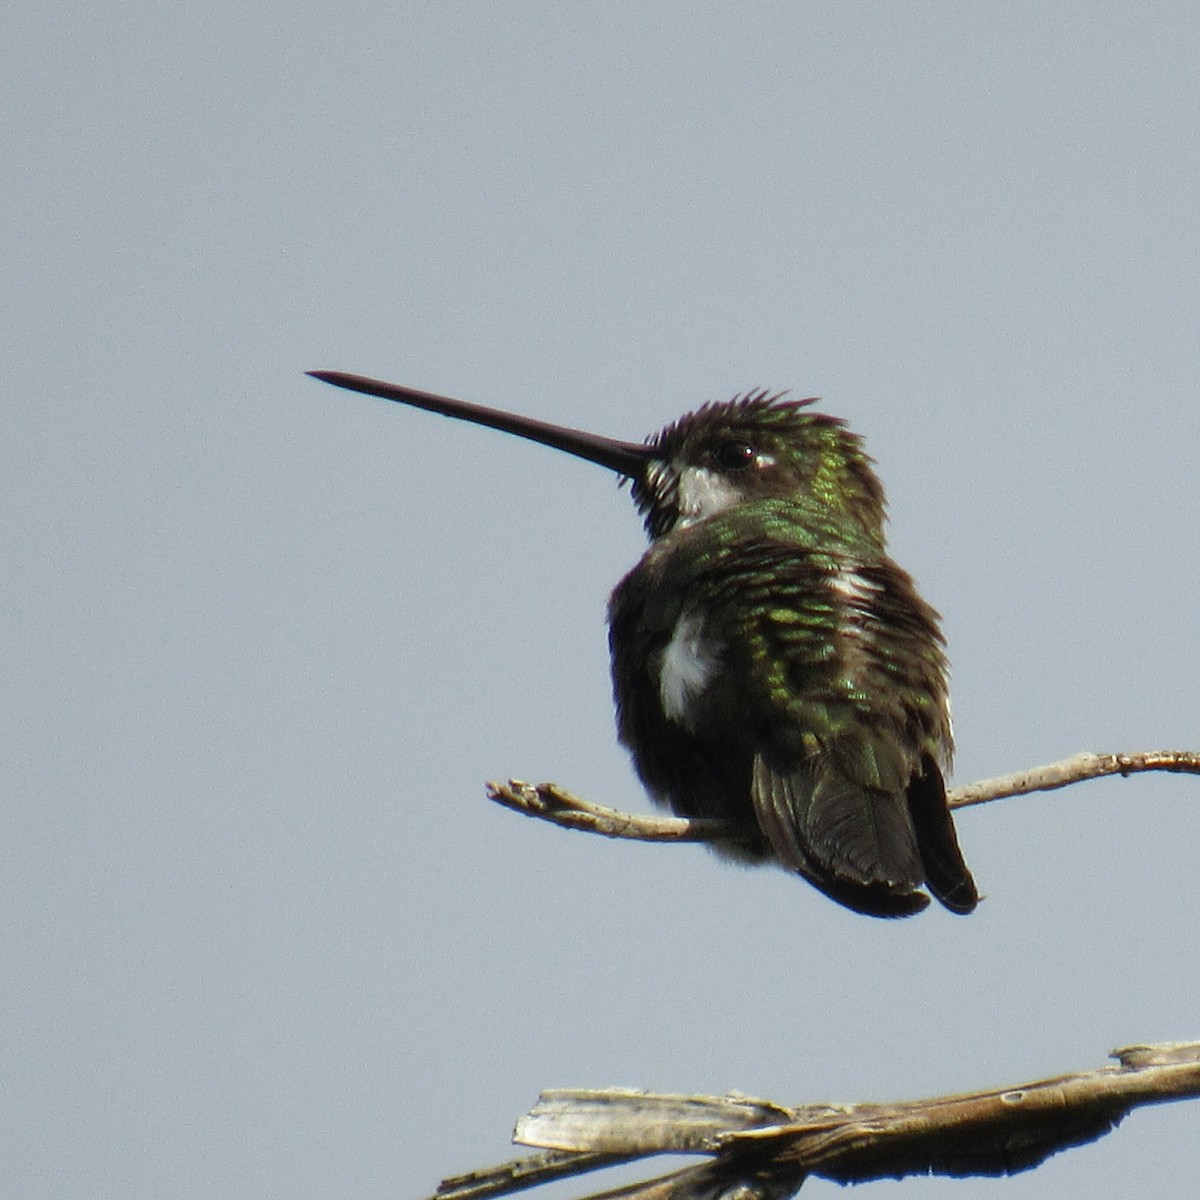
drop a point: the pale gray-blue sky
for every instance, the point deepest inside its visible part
(264, 640)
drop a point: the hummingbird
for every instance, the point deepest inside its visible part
(771, 665)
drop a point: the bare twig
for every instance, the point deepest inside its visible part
(558, 806)
(1076, 769)
(553, 803)
(521, 1173)
(762, 1151)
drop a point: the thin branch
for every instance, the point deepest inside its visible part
(521, 1173)
(763, 1151)
(558, 806)
(552, 803)
(1076, 769)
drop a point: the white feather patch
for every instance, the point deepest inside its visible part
(853, 588)
(687, 666)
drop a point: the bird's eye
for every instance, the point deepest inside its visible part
(735, 456)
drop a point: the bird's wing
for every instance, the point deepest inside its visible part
(840, 666)
(946, 871)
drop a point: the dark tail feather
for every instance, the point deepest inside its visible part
(872, 900)
(841, 838)
(945, 871)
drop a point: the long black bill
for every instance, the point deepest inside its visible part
(626, 458)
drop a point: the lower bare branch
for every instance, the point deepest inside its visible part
(522, 1173)
(764, 1151)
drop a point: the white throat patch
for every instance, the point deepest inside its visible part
(703, 493)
